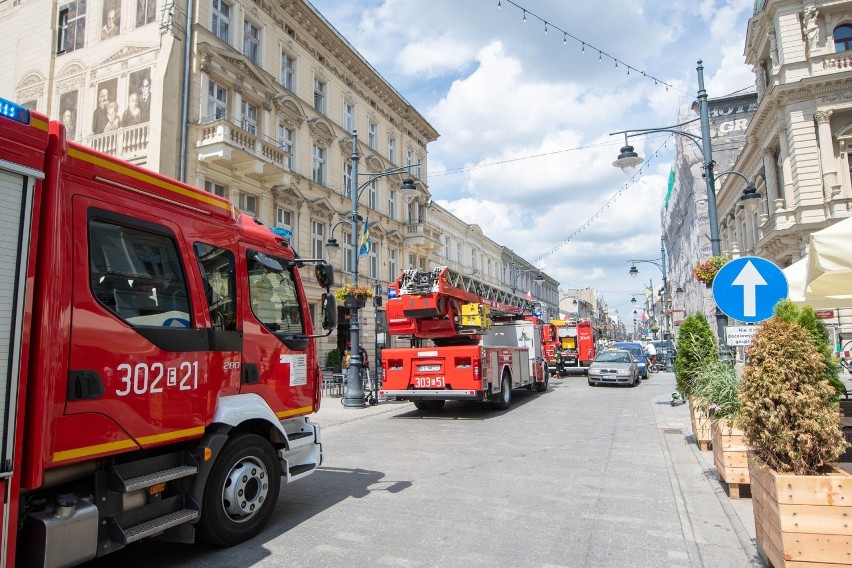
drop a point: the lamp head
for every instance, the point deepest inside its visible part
(633, 301)
(407, 185)
(634, 272)
(750, 197)
(332, 247)
(539, 277)
(627, 160)
(679, 290)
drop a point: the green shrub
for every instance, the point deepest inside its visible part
(696, 346)
(716, 386)
(785, 397)
(333, 359)
(807, 318)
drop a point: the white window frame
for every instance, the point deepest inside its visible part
(346, 189)
(214, 188)
(317, 239)
(348, 245)
(217, 101)
(248, 203)
(288, 71)
(392, 150)
(392, 203)
(374, 259)
(373, 196)
(320, 95)
(393, 272)
(251, 41)
(66, 23)
(318, 164)
(221, 22)
(373, 135)
(287, 142)
(348, 116)
(248, 117)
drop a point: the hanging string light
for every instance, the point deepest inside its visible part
(601, 53)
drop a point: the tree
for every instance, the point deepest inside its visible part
(696, 346)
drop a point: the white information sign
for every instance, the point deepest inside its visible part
(740, 334)
(298, 368)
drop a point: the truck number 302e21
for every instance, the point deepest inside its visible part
(142, 378)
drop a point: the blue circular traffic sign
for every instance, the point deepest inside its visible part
(747, 289)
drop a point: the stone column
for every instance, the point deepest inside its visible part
(769, 165)
(830, 186)
(786, 169)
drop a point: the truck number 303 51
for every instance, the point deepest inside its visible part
(143, 378)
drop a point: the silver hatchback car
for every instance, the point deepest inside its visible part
(614, 366)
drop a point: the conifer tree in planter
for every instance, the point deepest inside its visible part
(696, 347)
(792, 428)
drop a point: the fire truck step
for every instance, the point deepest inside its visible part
(298, 435)
(158, 525)
(144, 481)
(297, 469)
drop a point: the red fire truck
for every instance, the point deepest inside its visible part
(158, 361)
(578, 346)
(484, 341)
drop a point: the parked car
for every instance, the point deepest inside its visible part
(638, 353)
(614, 366)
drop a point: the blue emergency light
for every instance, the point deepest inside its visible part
(14, 111)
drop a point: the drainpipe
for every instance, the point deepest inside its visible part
(184, 111)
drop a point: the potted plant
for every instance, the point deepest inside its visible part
(706, 271)
(696, 347)
(792, 427)
(353, 296)
(333, 360)
(718, 389)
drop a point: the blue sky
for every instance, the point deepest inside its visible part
(524, 116)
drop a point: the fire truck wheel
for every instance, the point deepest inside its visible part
(542, 386)
(429, 404)
(241, 492)
(505, 396)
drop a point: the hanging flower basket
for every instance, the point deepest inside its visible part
(706, 271)
(353, 296)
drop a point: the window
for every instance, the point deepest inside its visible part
(374, 259)
(221, 20)
(373, 135)
(319, 95)
(843, 38)
(283, 218)
(346, 190)
(420, 168)
(286, 139)
(372, 196)
(249, 118)
(137, 275)
(215, 188)
(288, 71)
(392, 203)
(72, 26)
(146, 12)
(348, 116)
(392, 268)
(217, 102)
(217, 274)
(458, 251)
(317, 239)
(348, 247)
(248, 204)
(251, 42)
(318, 174)
(274, 296)
(447, 247)
(392, 150)
(409, 158)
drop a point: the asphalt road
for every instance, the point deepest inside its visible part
(578, 476)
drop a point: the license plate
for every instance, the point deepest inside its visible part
(428, 382)
(428, 368)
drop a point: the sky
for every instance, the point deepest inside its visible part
(524, 116)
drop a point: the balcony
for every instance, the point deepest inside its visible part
(831, 63)
(422, 238)
(226, 142)
(128, 143)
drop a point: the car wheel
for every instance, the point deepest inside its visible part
(241, 492)
(505, 399)
(592, 384)
(420, 404)
(434, 404)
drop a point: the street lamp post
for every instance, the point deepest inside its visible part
(662, 266)
(354, 397)
(628, 160)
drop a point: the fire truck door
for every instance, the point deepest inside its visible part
(275, 359)
(139, 353)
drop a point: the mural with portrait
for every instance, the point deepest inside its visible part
(68, 113)
(140, 85)
(105, 94)
(110, 19)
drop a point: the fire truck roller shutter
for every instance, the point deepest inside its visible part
(425, 307)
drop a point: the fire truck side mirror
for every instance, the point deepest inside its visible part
(329, 312)
(325, 275)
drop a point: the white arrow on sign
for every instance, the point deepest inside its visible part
(749, 278)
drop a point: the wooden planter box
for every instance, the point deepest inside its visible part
(730, 456)
(802, 520)
(700, 425)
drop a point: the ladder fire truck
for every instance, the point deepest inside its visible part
(484, 341)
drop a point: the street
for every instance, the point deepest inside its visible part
(577, 476)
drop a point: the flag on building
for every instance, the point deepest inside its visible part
(364, 248)
(529, 295)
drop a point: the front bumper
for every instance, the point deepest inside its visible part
(436, 394)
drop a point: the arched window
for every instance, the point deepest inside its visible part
(843, 38)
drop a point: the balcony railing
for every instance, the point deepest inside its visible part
(128, 142)
(229, 139)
